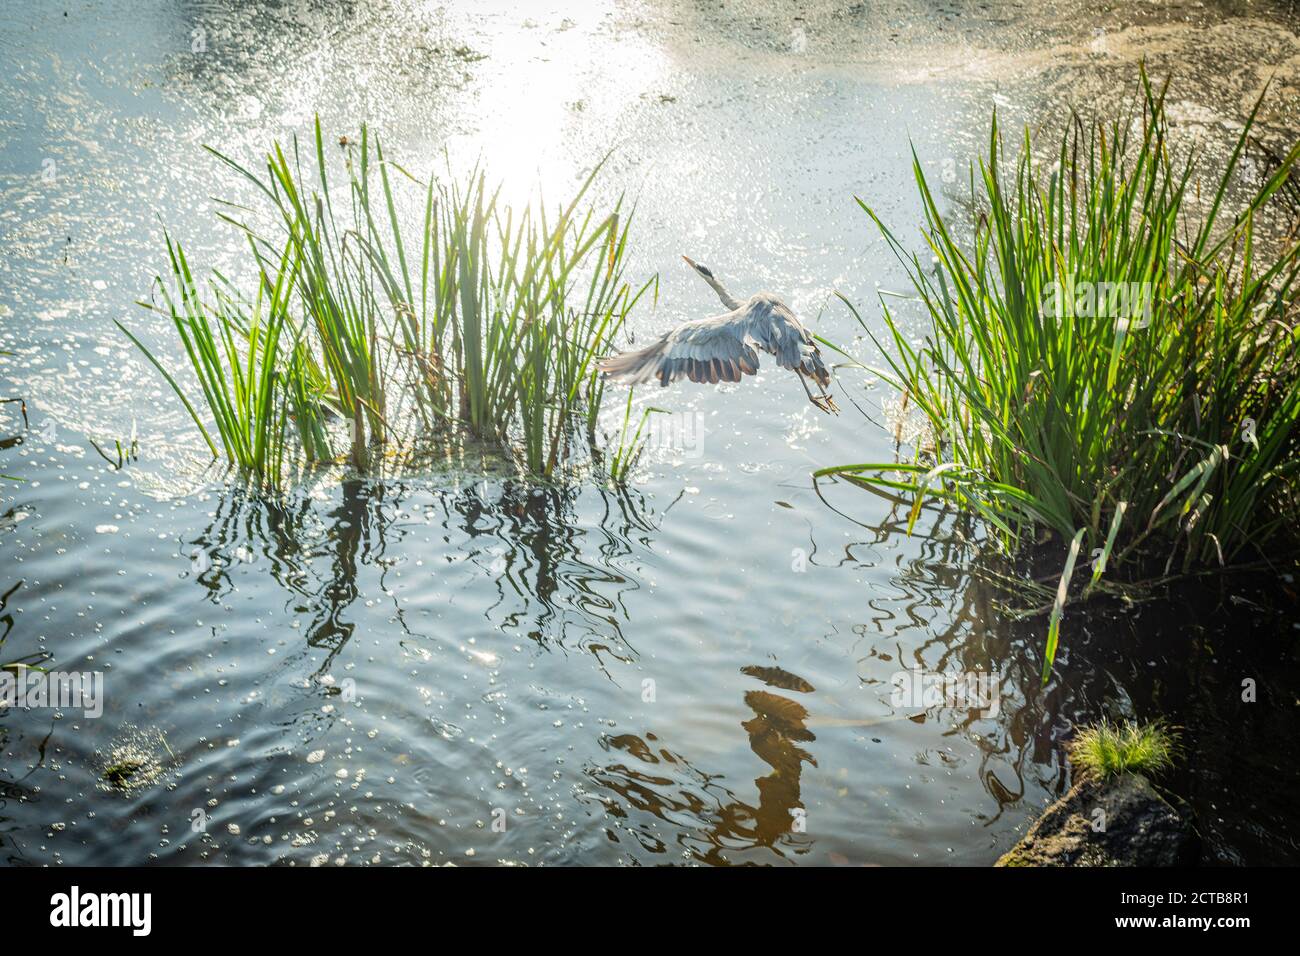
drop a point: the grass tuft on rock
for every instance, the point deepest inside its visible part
(1109, 749)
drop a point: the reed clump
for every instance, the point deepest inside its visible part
(1094, 362)
(1108, 749)
(366, 331)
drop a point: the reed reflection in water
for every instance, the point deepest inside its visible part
(526, 540)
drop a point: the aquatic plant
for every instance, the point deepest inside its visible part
(22, 408)
(235, 355)
(17, 666)
(1097, 363)
(1107, 749)
(629, 448)
(366, 331)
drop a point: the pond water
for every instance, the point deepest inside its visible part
(456, 666)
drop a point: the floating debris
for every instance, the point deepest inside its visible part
(120, 773)
(137, 758)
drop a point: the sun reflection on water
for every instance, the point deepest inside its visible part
(552, 84)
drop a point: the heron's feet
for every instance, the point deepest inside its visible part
(825, 403)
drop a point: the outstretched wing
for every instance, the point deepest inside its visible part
(705, 350)
(722, 348)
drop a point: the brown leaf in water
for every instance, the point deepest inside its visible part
(776, 677)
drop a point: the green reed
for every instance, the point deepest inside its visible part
(631, 443)
(541, 296)
(1096, 362)
(373, 330)
(235, 351)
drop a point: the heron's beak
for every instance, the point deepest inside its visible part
(689, 261)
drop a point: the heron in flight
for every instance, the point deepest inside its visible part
(725, 347)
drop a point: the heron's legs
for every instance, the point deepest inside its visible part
(803, 381)
(822, 401)
(830, 405)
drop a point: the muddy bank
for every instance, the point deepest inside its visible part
(1037, 59)
(1122, 821)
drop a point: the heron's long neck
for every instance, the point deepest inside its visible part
(727, 299)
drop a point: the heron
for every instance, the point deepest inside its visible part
(725, 347)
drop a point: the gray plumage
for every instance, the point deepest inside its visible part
(725, 347)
